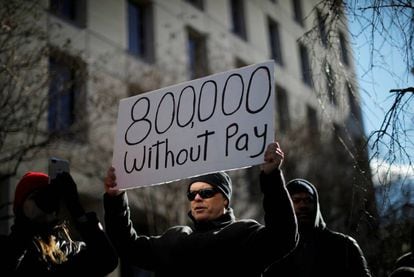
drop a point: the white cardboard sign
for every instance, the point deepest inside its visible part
(220, 122)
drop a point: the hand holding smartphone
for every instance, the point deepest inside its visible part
(56, 166)
(66, 186)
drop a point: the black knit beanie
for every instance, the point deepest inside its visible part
(218, 180)
(300, 185)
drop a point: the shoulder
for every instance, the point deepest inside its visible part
(402, 271)
(405, 260)
(247, 221)
(337, 237)
(178, 229)
(244, 224)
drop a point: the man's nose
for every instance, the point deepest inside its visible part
(198, 197)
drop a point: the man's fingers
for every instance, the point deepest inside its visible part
(110, 179)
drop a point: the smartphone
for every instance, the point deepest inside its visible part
(56, 166)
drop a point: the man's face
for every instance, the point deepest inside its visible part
(207, 208)
(304, 205)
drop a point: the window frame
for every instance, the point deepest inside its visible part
(282, 104)
(305, 64)
(275, 41)
(140, 24)
(75, 13)
(66, 109)
(197, 54)
(238, 17)
(298, 12)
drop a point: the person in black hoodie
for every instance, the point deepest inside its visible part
(404, 265)
(321, 251)
(41, 244)
(218, 244)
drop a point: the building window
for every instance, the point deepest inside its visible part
(239, 63)
(322, 28)
(275, 45)
(140, 30)
(305, 65)
(134, 89)
(73, 11)
(196, 3)
(344, 48)
(238, 17)
(297, 11)
(312, 119)
(330, 83)
(66, 107)
(282, 105)
(197, 54)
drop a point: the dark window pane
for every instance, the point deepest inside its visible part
(305, 65)
(282, 105)
(140, 41)
(240, 63)
(135, 28)
(196, 47)
(64, 8)
(196, 3)
(71, 10)
(275, 45)
(238, 17)
(297, 11)
(61, 97)
(67, 117)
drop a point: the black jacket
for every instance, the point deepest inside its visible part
(321, 252)
(93, 256)
(224, 247)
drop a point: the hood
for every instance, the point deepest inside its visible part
(302, 185)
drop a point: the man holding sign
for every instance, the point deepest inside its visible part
(217, 244)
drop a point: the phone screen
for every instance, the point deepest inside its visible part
(56, 166)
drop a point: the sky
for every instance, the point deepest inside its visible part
(375, 85)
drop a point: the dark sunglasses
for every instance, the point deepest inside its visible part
(204, 193)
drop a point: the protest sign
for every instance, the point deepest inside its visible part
(220, 122)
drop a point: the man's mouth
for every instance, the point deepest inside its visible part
(198, 209)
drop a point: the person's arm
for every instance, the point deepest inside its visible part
(137, 249)
(280, 219)
(357, 265)
(68, 191)
(110, 184)
(99, 256)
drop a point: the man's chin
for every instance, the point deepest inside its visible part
(201, 217)
(305, 221)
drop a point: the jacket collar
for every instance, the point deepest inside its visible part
(220, 222)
